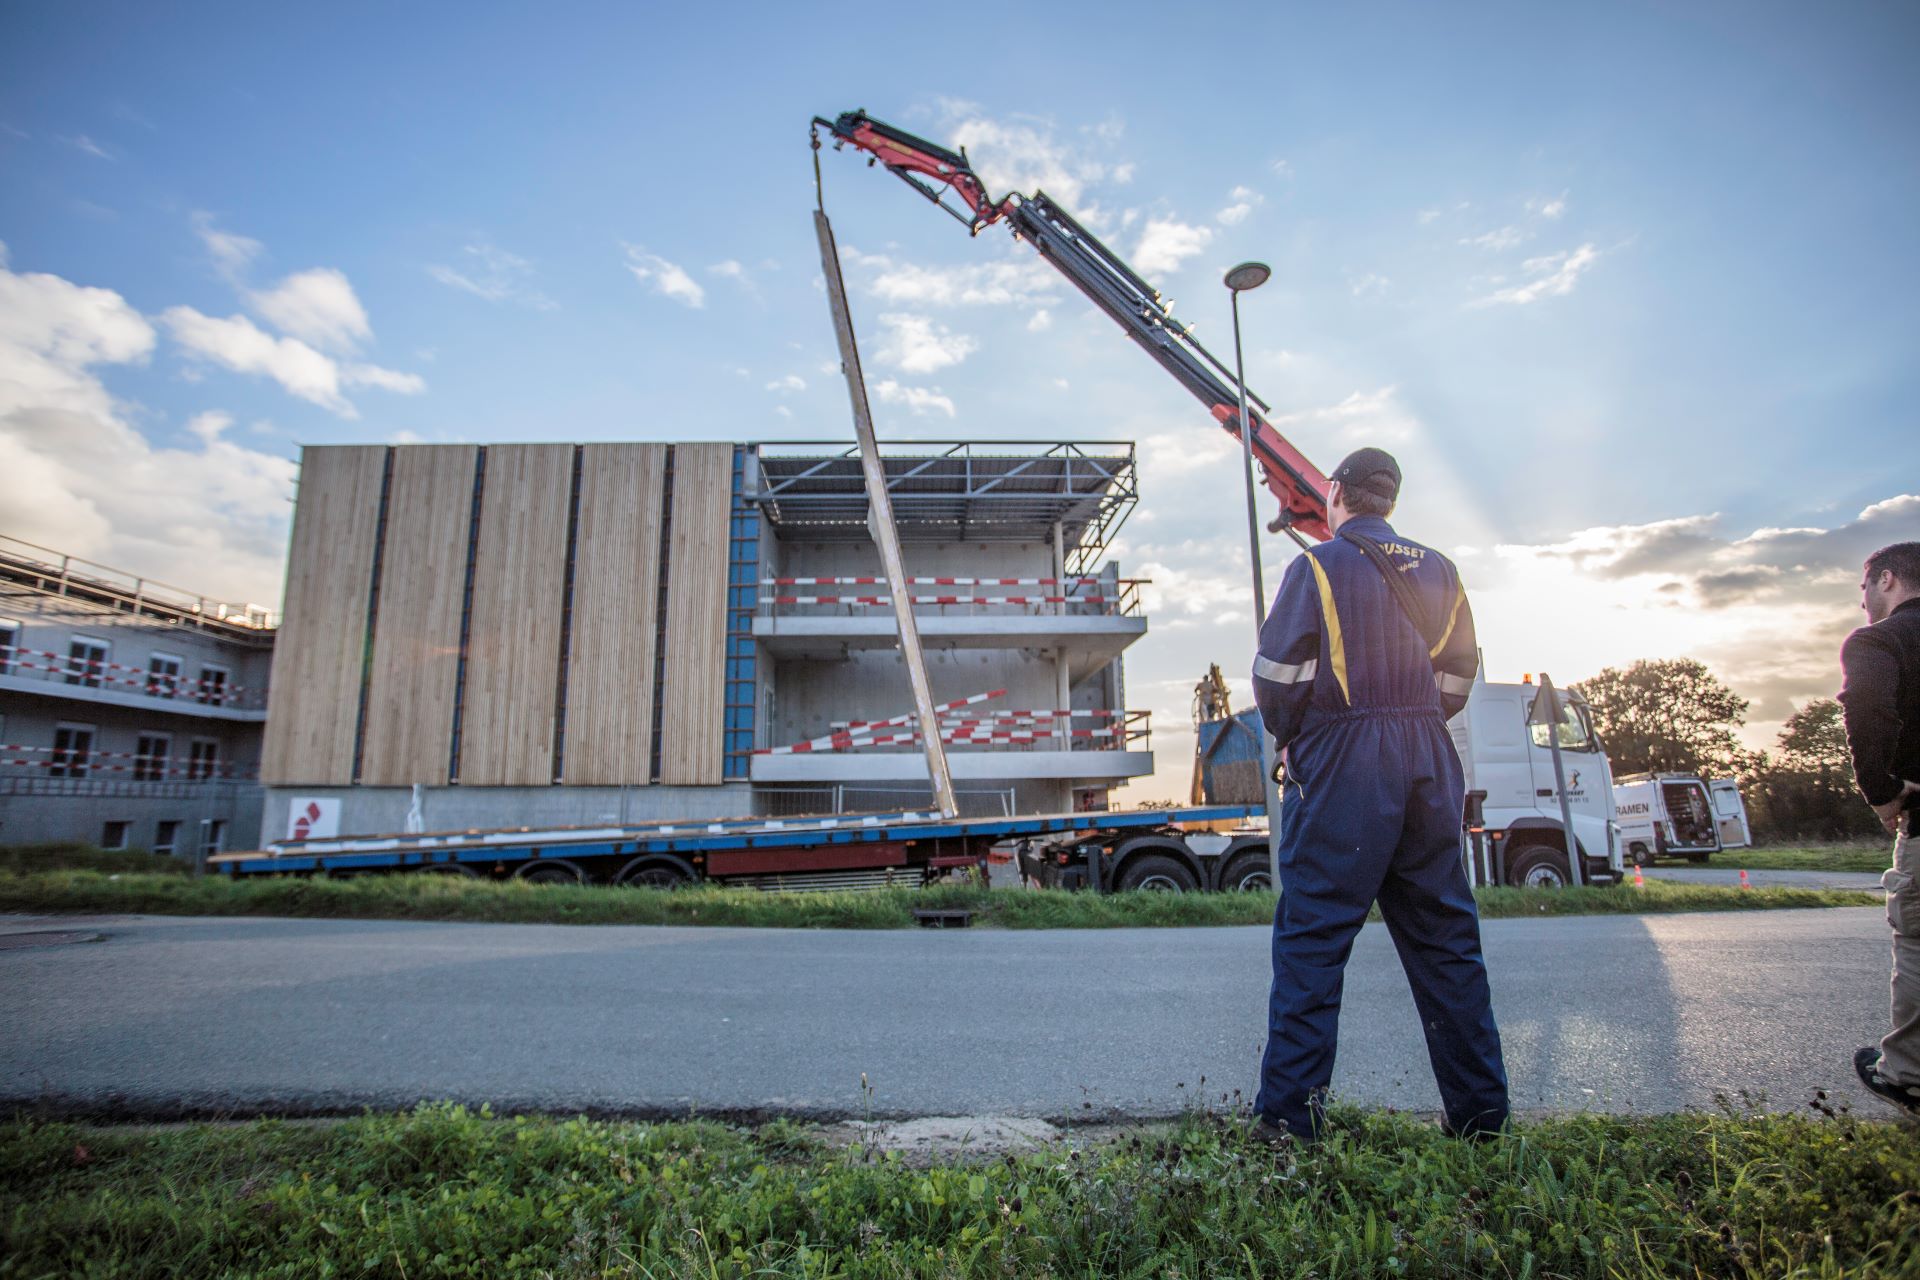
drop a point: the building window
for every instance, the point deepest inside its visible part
(163, 675)
(87, 662)
(203, 759)
(72, 751)
(114, 835)
(9, 645)
(165, 837)
(150, 761)
(213, 686)
(216, 837)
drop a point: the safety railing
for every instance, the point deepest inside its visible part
(74, 762)
(62, 574)
(954, 597)
(172, 690)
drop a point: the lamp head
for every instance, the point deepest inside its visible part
(1248, 275)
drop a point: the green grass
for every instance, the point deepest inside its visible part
(1875, 856)
(444, 1192)
(70, 856)
(425, 897)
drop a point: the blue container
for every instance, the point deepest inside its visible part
(1230, 759)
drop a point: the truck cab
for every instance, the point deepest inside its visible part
(1511, 761)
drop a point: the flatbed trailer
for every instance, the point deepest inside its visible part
(1142, 848)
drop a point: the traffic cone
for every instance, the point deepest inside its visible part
(1639, 881)
(1744, 883)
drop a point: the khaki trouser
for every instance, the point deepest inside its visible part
(1900, 1051)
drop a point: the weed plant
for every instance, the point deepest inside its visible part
(446, 1192)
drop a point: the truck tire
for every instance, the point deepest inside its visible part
(1159, 873)
(656, 873)
(1247, 873)
(553, 872)
(1638, 851)
(1538, 866)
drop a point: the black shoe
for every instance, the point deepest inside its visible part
(1266, 1133)
(1866, 1064)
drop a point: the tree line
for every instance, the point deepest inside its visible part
(1672, 715)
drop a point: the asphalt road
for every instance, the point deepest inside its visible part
(1730, 874)
(173, 1015)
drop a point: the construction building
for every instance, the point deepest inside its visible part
(131, 712)
(560, 634)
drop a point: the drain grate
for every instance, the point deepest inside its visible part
(46, 938)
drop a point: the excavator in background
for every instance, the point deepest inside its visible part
(1136, 306)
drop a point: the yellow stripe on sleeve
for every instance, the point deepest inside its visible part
(1336, 646)
(1459, 598)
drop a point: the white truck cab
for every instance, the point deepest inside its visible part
(1511, 761)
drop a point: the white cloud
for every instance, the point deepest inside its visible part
(1555, 276)
(1243, 201)
(1548, 208)
(1282, 168)
(81, 142)
(1166, 243)
(1501, 238)
(917, 344)
(493, 274)
(238, 344)
(664, 278)
(920, 400)
(317, 306)
(1015, 280)
(1369, 285)
(1040, 320)
(208, 515)
(1024, 157)
(232, 253)
(783, 411)
(1426, 216)
(792, 382)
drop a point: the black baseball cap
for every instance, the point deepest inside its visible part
(1371, 469)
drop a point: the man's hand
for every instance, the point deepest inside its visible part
(1889, 813)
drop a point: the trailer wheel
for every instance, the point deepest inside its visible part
(1538, 866)
(459, 870)
(655, 872)
(554, 872)
(1248, 873)
(1158, 873)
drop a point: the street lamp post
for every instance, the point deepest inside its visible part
(1251, 275)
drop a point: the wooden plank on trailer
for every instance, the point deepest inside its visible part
(514, 625)
(319, 651)
(416, 639)
(616, 591)
(694, 674)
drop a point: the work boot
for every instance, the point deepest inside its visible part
(1265, 1133)
(1866, 1064)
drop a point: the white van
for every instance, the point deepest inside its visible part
(1730, 814)
(1666, 815)
(1511, 761)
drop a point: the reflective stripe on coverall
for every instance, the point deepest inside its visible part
(1373, 806)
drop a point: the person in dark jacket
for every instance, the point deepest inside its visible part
(1880, 698)
(1356, 683)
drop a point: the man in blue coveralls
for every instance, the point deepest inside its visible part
(1355, 678)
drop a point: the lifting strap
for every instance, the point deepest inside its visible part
(1403, 591)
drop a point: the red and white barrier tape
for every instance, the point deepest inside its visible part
(937, 582)
(880, 600)
(145, 680)
(827, 741)
(169, 767)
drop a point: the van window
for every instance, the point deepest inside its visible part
(1727, 802)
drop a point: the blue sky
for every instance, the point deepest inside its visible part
(1630, 289)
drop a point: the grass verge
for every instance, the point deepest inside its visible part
(424, 897)
(442, 1191)
(1875, 856)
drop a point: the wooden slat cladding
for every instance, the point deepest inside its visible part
(694, 676)
(616, 571)
(318, 653)
(513, 629)
(416, 643)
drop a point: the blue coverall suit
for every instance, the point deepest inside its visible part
(1358, 698)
